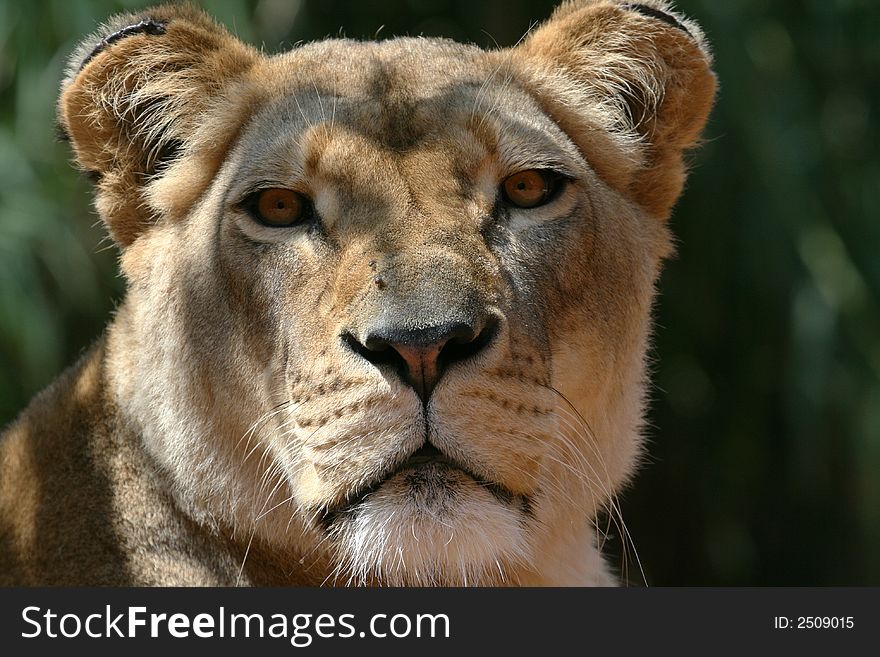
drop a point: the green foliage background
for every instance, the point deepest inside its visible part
(765, 441)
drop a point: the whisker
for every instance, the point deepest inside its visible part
(616, 511)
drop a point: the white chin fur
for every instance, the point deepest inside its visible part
(398, 537)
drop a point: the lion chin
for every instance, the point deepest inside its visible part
(429, 524)
(387, 305)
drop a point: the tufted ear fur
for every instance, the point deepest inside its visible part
(631, 84)
(135, 97)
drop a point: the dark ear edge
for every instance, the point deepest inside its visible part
(146, 26)
(652, 12)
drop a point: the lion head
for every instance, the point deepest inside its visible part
(388, 302)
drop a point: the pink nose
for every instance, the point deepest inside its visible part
(422, 355)
(422, 366)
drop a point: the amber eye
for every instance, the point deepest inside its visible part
(529, 189)
(278, 207)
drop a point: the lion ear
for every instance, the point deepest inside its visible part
(134, 97)
(631, 84)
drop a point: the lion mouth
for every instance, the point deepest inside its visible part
(425, 454)
(430, 472)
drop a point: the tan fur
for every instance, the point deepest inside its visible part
(215, 434)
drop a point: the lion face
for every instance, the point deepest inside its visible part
(390, 307)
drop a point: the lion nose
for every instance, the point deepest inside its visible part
(423, 354)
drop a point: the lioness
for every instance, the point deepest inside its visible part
(387, 309)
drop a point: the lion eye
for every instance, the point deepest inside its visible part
(529, 189)
(278, 207)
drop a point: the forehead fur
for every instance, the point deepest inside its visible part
(402, 96)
